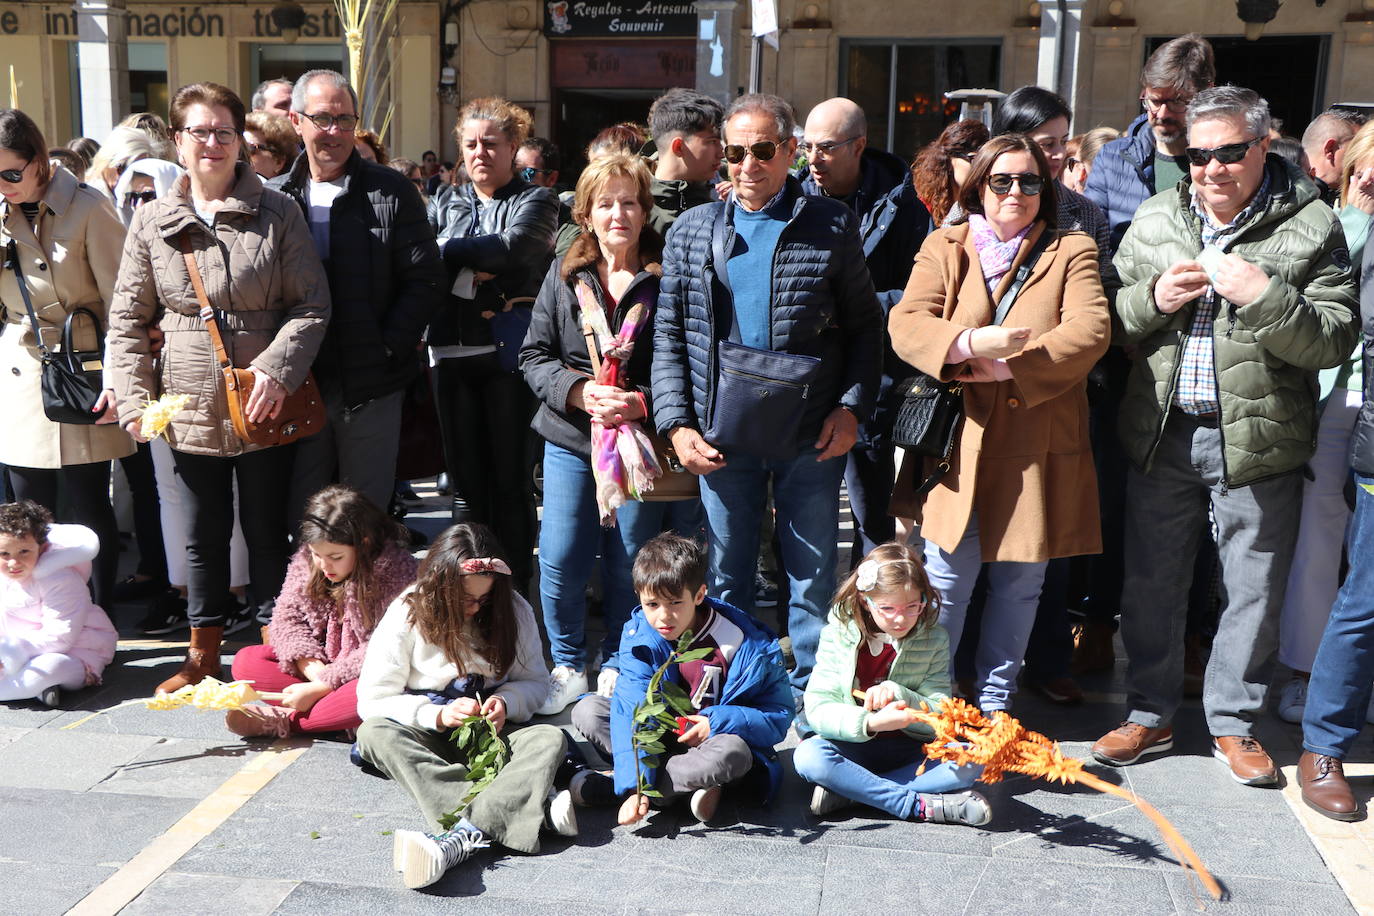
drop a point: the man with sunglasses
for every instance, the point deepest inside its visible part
(1149, 158)
(878, 187)
(385, 280)
(1237, 290)
(771, 269)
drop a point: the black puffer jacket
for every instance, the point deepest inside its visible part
(512, 237)
(554, 357)
(1362, 439)
(384, 279)
(823, 305)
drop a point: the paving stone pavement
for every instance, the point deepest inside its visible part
(77, 805)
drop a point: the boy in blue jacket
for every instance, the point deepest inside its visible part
(741, 701)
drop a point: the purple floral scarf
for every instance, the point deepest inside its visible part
(994, 255)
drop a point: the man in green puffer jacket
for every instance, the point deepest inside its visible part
(1236, 289)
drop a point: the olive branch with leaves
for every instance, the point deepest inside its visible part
(477, 739)
(655, 717)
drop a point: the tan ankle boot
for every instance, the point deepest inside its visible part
(202, 660)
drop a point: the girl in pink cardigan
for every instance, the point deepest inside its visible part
(52, 636)
(353, 562)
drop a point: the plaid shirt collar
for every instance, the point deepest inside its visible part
(1212, 230)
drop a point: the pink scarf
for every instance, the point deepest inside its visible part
(994, 255)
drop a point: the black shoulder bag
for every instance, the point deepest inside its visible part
(72, 379)
(927, 422)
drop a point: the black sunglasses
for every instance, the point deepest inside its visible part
(1029, 182)
(1229, 154)
(142, 197)
(14, 176)
(762, 151)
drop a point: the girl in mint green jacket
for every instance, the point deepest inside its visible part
(883, 641)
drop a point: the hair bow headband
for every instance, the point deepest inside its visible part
(485, 565)
(866, 576)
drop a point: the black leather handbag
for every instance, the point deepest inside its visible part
(71, 379)
(928, 418)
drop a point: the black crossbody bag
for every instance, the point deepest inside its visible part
(71, 380)
(928, 418)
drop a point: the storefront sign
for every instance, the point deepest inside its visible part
(146, 21)
(623, 64)
(628, 19)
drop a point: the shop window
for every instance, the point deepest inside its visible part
(148, 77)
(282, 61)
(901, 85)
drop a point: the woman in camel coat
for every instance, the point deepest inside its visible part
(67, 240)
(1021, 488)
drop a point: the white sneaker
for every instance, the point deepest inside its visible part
(605, 682)
(565, 685)
(559, 814)
(704, 803)
(824, 801)
(1293, 700)
(424, 857)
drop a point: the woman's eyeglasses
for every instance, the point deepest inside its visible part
(14, 176)
(479, 601)
(1029, 182)
(223, 135)
(1229, 154)
(762, 151)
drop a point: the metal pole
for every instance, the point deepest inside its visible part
(756, 65)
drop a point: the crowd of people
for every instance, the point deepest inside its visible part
(1152, 337)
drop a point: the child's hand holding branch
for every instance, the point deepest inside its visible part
(890, 718)
(878, 696)
(452, 715)
(633, 809)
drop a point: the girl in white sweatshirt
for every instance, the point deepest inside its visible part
(461, 644)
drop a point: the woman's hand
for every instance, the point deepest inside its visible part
(105, 406)
(453, 714)
(998, 341)
(494, 711)
(610, 404)
(301, 697)
(890, 718)
(135, 429)
(977, 370)
(1361, 191)
(267, 397)
(633, 809)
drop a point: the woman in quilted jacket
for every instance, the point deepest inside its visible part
(353, 561)
(253, 251)
(883, 642)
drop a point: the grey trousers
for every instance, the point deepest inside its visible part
(1256, 528)
(510, 809)
(717, 761)
(357, 447)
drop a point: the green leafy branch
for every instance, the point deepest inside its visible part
(654, 717)
(480, 744)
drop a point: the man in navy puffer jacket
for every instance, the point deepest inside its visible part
(794, 281)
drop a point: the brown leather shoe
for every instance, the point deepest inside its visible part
(1246, 757)
(202, 660)
(1324, 788)
(1129, 741)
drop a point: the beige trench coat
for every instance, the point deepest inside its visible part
(70, 259)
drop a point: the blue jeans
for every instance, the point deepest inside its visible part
(1008, 611)
(806, 496)
(880, 773)
(1338, 694)
(570, 539)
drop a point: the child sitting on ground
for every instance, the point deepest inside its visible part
(352, 564)
(52, 636)
(742, 701)
(883, 640)
(461, 643)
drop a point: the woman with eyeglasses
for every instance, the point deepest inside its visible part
(63, 248)
(1019, 488)
(257, 262)
(272, 143)
(496, 234)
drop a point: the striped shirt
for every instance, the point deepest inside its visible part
(1196, 393)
